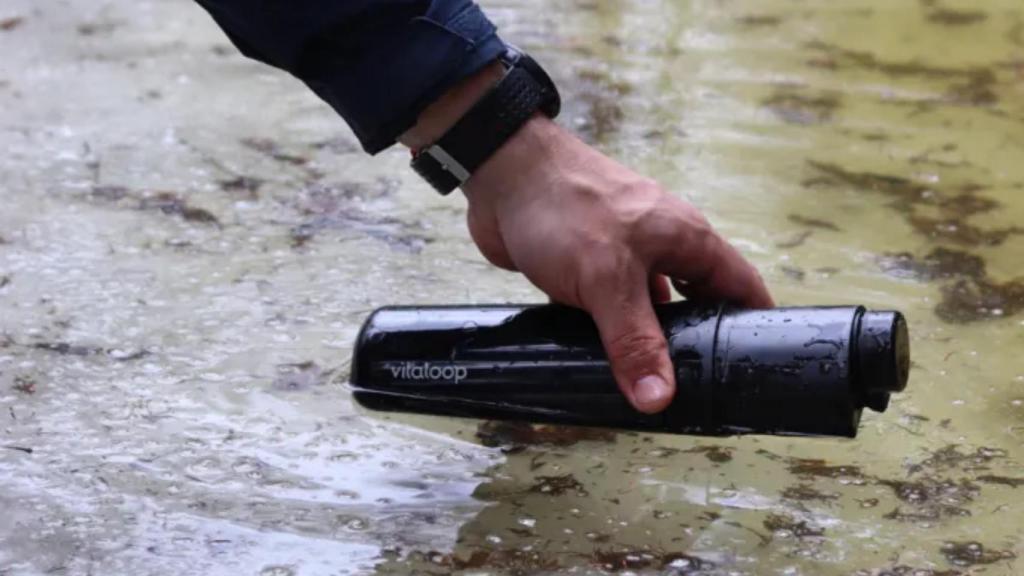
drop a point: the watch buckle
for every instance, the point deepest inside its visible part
(448, 162)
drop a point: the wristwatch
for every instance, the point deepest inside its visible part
(524, 90)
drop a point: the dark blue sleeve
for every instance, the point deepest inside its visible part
(378, 63)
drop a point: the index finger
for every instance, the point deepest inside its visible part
(704, 266)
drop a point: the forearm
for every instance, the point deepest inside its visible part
(378, 64)
(444, 112)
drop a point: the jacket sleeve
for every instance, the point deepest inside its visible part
(378, 63)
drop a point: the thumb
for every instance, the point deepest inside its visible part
(634, 342)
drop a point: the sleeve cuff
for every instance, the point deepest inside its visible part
(382, 91)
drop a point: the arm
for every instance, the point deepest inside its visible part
(586, 230)
(377, 63)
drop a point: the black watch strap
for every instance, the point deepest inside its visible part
(450, 161)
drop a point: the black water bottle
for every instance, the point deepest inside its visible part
(804, 371)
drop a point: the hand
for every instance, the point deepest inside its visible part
(592, 234)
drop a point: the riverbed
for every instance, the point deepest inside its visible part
(189, 242)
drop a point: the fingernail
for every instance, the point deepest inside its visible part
(651, 391)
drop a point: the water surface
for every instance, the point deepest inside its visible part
(189, 242)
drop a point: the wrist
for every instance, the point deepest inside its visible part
(437, 118)
(523, 164)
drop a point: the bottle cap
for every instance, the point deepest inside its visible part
(883, 356)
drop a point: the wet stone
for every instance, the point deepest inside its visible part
(967, 203)
(793, 273)
(300, 376)
(973, 554)
(716, 454)
(949, 17)
(172, 204)
(10, 23)
(796, 240)
(785, 525)
(65, 349)
(337, 145)
(759, 20)
(336, 207)
(904, 570)
(943, 485)
(939, 264)
(973, 93)
(1001, 480)
(277, 571)
(98, 28)
(68, 349)
(508, 435)
(166, 202)
(822, 469)
(109, 193)
(896, 186)
(24, 384)
(352, 523)
(933, 497)
(972, 300)
(558, 485)
(793, 107)
(950, 457)
(974, 296)
(835, 58)
(808, 493)
(247, 185)
(273, 150)
(505, 561)
(668, 562)
(954, 229)
(601, 95)
(301, 234)
(810, 222)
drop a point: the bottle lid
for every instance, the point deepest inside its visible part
(883, 362)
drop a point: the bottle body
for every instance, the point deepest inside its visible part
(780, 371)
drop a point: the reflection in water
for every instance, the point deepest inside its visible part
(189, 244)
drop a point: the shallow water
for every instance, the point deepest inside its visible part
(189, 242)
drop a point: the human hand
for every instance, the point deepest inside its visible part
(593, 234)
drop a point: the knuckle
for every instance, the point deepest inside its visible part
(638, 204)
(699, 234)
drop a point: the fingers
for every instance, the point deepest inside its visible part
(634, 341)
(660, 290)
(730, 278)
(704, 266)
